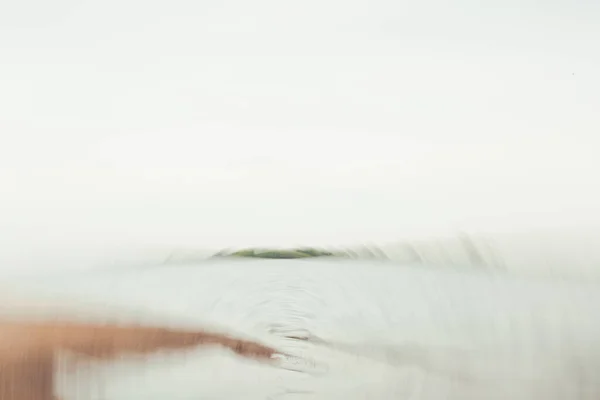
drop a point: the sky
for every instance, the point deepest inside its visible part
(204, 123)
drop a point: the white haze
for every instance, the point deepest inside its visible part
(154, 124)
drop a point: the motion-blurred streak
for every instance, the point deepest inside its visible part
(28, 350)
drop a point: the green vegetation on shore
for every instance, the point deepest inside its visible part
(278, 253)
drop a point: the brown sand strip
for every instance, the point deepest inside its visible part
(27, 350)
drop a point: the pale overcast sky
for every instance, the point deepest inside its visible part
(237, 122)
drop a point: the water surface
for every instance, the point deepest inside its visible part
(389, 331)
